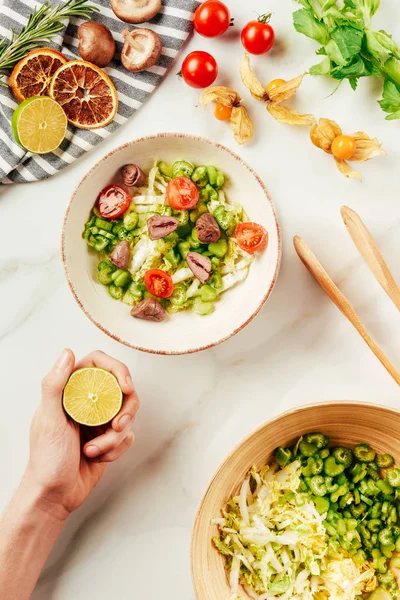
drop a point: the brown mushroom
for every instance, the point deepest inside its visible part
(141, 50)
(135, 11)
(149, 310)
(96, 43)
(121, 254)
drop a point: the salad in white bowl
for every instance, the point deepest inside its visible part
(171, 240)
(128, 218)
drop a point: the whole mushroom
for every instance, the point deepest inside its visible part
(141, 50)
(96, 43)
(135, 11)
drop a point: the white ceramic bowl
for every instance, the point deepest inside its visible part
(184, 332)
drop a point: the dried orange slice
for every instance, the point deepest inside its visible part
(32, 75)
(86, 93)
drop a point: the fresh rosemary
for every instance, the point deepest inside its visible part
(42, 25)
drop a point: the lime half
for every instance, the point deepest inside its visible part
(92, 396)
(39, 124)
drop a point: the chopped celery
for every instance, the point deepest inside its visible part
(202, 308)
(165, 169)
(131, 221)
(103, 224)
(220, 180)
(182, 168)
(98, 242)
(216, 280)
(219, 248)
(212, 175)
(199, 173)
(208, 293)
(184, 248)
(225, 219)
(105, 271)
(115, 292)
(122, 278)
(178, 297)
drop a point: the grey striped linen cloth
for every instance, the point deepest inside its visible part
(173, 24)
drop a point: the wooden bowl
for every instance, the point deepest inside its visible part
(346, 423)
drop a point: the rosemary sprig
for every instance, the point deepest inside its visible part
(42, 25)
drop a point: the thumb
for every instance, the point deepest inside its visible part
(54, 382)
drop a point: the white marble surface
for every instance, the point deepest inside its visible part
(132, 538)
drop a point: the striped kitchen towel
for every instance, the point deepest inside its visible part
(173, 24)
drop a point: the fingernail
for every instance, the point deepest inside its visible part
(91, 451)
(62, 361)
(129, 382)
(124, 421)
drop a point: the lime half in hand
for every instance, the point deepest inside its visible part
(39, 124)
(92, 396)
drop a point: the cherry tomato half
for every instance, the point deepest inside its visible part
(343, 146)
(182, 193)
(199, 69)
(158, 283)
(113, 200)
(222, 112)
(251, 237)
(258, 36)
(212, 18)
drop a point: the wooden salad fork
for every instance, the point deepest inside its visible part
(371, 253)
(319, 273)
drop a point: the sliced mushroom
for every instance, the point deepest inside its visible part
(133, 175)
(96, 43)
(120, 255)
(149, 310)
(208, 231)
(142, 49)
(199, 265)
(160, 226)
(135, 11)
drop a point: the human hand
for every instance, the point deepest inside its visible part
(67, 459)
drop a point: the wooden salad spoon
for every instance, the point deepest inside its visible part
(371, 253)
(319, 273)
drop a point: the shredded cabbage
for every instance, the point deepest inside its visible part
(275, 543)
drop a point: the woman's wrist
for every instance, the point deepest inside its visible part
(39, 499)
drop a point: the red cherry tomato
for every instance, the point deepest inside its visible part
(182, 193)
(158, 283)
(113, 200)
(199, 69)
(251, 237)
(212, 18)
(258, 36)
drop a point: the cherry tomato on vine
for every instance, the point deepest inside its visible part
(113, 201)
(199, 69)
(258, 36)
(212, 18)
(343, 146)
(222, 112)
(251, 237)
(158, 283)
(182, 193)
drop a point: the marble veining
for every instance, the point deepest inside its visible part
(132, 537)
